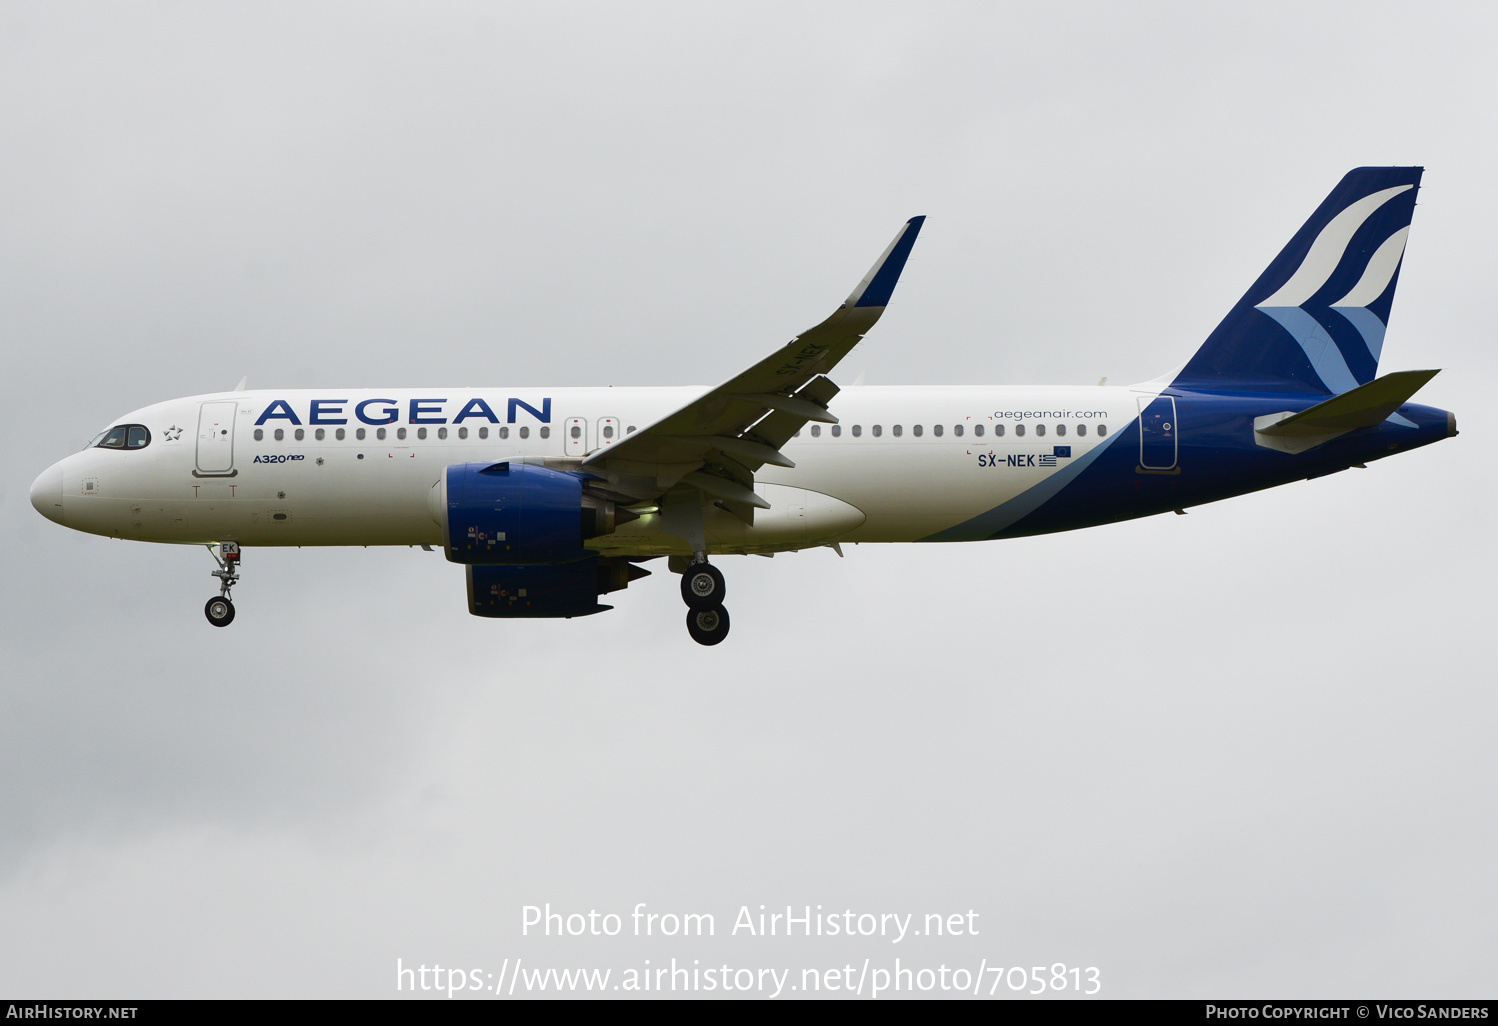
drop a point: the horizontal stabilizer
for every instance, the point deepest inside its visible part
(1364, 406)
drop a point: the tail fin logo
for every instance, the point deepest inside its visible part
(1322, 261)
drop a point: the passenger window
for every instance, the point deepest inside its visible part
(1081, 430)
(484, 432)
(916, 430)
(1039, 430)
(998, 430)
(1019, 430)
(608, 431)
(837, 430)
(340, 434)
(1061, 430)
(280, 435)
(259, 434)
(421, 434)
(380, 434)
(936, 430)
(139, 437)
(957, 430)
(816, 431)
(877, 430)
(442, 432)
(320, 434)
(576, 432)
(462, 432)
(857, 430)
(629, 430)
(545, 432)
(896, 430)
(300, 434)
(359, 434)
(399, 433)
(1102, 429)
(978, 430)
(525, 432)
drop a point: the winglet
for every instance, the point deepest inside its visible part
(879, 284)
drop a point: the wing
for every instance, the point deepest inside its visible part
(715, 443)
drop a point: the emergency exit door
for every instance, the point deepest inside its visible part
(608, 431)
(575, 432)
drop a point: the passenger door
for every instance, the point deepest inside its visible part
(216, 439)
(1157, 433)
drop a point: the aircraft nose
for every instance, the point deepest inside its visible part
(46, 493)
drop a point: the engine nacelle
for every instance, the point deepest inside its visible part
(553, 590)
(518, 514)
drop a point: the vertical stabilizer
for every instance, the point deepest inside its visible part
(1315, 319)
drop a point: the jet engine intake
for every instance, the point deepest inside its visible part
(519, 514)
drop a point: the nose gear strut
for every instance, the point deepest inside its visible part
(219, 609)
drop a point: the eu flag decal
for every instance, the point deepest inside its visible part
(1061, 450)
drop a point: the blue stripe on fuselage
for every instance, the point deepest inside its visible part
(1218, 458)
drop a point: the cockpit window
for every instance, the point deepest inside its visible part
(124, 436)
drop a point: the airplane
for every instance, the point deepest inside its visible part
(551, 498)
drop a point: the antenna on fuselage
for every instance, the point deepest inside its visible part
(242, 383)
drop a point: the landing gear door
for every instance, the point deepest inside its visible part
(576, 433)
(1157, 433)
(216, 439)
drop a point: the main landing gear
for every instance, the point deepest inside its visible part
(702, 590)
(219, 609)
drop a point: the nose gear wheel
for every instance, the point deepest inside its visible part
(220, 611)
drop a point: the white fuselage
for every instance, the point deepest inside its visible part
(905, 463)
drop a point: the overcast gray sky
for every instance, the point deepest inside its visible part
(1245, 752)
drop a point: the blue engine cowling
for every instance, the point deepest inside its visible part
(513, 513)
(557, 589)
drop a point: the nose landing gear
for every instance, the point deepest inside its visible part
(219, 609)
(702, 590)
